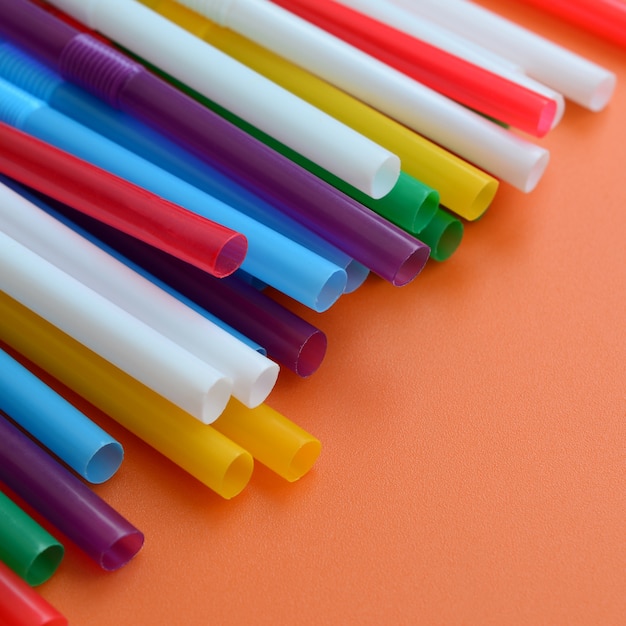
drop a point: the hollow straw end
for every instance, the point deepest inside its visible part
(412, 265)
(237, 476)
(44, 565)
(384, 178)
(230, 256)
(122, 551)
(303, 460)
(602, 93)
(104, 462)
(311, 354)
(262, 386)
(214, 401)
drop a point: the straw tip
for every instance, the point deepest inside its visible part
(122, 551)
(303, 460)
(231, 256)
(104, 463)
(237, 476)
(311, 354)
(412, 266)
(603, 93)
(385, 177)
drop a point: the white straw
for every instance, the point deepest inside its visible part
(309, 131)
(428, 31)
(577, 78)
(253, 375)
(474, 138)
(111, 332)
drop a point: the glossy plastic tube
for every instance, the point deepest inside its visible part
(47, 204)
(378, 244)
(112, 332)
(200, 450)
(290, 340)
(435, 35)
(253, 376)
(273, 258)
(454, 77)
(25, 546)
(577, 78)
(345, 223)
(115, 201)
(21, 605)
(389, 13)
(605, 18)
(28, 74)
(280, 114)
(272, 439)
(66, 502)
(463, 188)
(443, 233)
(267, 173)
(506, 156)
(56, 424)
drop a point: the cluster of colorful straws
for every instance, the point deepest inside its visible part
(163, 163)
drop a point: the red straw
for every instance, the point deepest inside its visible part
(454, 77)
(117, 202)
(21, 605)
(606, 18)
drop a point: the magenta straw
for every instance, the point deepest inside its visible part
(288, 339)
(385, 249)
(66, 502)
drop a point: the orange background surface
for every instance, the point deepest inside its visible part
(473, 423)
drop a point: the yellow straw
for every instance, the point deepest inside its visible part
(205, 453)
(271, 438)
(463, 188)
(220, 455)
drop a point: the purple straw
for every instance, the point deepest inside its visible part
(65, 501)
(287, 338)
(79, 57)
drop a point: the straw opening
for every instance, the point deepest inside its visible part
(104, 463)
(44, 565)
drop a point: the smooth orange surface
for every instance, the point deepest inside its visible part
(473, 470)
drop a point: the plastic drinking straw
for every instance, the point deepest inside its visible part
(56, 424)
(443, 233)
(25, 546)
(452, 76)
(66, 502)
(112, 332)
(272, 439)
(360, 232)
(277, 179)
(200, 450)
(160, 223)
(240, 156)
(253, 376)
(307, 130)
(46, 204)
(21, 605)
(273, 258)
(577, 78)
(468, 134)
(435, 35)
(606, 18)
(290, 340)
(28, 74)
(463, 188)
